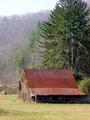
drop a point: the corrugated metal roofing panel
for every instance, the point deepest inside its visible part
(51, 82)
(43, 78)
(57, 91)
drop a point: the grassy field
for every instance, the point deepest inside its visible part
(13, 109)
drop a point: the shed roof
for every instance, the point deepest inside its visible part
(51, 82)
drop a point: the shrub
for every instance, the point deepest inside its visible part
(85, 85)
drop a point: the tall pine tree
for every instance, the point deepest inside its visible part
(66, 36)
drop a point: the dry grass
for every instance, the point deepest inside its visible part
(13, 109)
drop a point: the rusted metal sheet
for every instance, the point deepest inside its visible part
(57, 91)
(51, 82)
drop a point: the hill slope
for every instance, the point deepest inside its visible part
(14, 34)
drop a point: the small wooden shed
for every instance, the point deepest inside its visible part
(48, 85)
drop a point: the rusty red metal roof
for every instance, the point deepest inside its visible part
(57, 91)
(51, 81)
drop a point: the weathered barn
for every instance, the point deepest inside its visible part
(46, 85)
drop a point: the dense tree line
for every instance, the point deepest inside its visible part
(66, 34)
(29, 57)
(15, 33)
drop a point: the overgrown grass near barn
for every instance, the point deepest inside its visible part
(13, 109)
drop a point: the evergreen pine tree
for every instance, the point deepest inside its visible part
(66, 36)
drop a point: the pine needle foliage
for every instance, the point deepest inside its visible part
(66, 38)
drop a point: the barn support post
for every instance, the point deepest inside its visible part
(28, 91)
(35, 98)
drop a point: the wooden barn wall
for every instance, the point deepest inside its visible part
(25, 92)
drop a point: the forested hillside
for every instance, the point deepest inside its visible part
(15, 32)
(66, 41)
